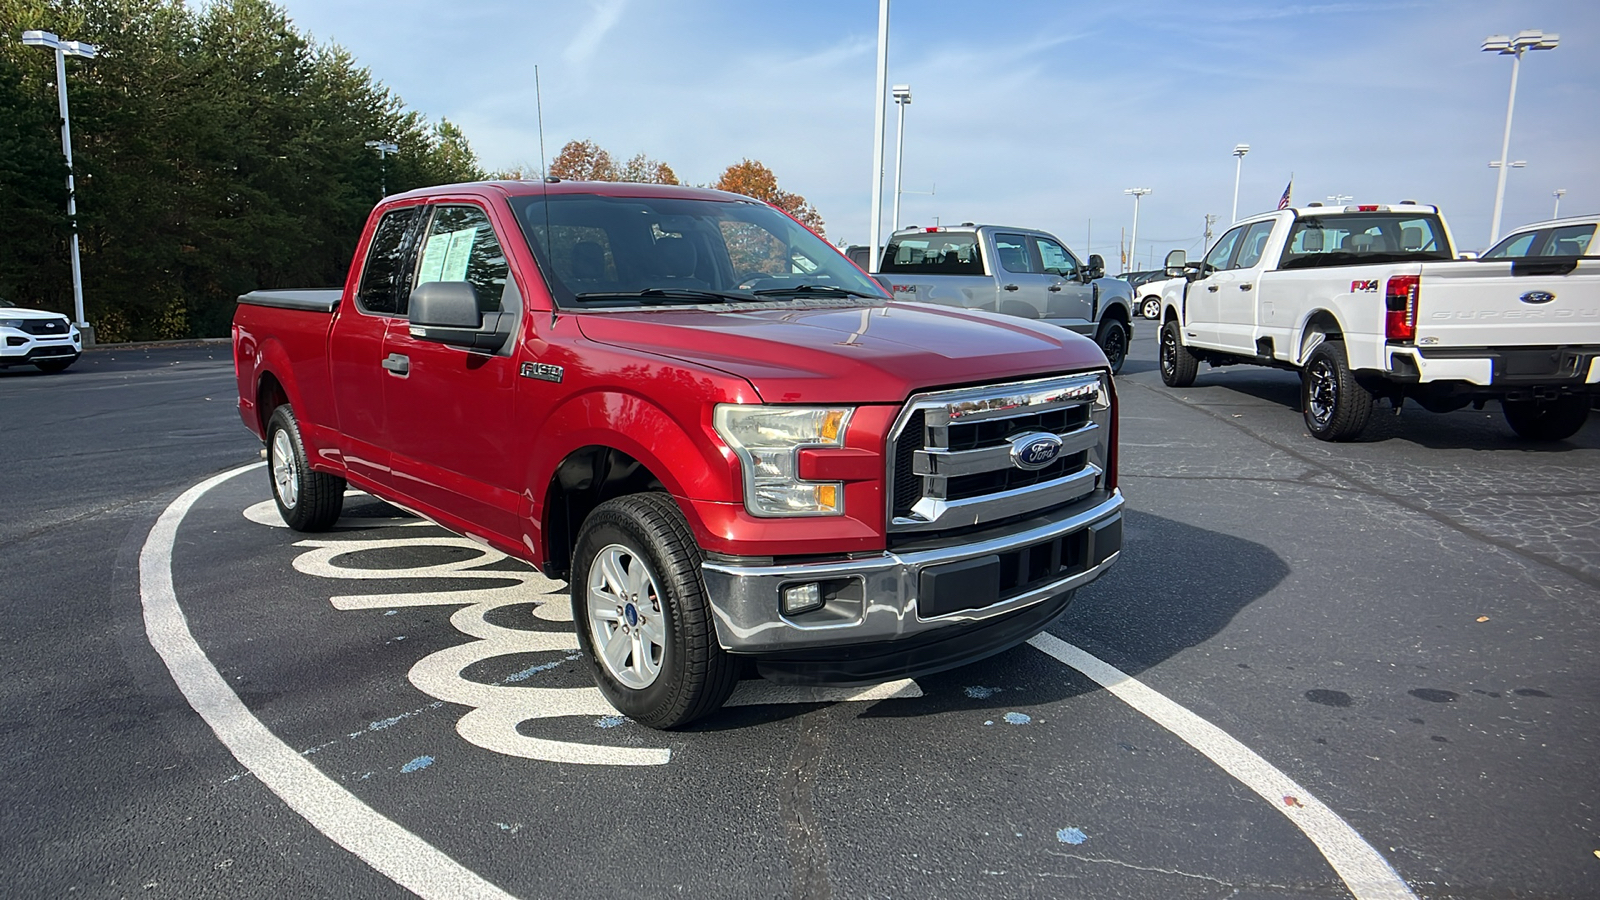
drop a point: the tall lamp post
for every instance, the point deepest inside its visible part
(1133, 241)
(1513, 47)
(1339, 199)
(902, 99)
(384, 148)
(64, 49)
(1558, 193)
(1239, 151)
(877, 134)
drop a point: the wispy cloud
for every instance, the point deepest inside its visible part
(605, 15)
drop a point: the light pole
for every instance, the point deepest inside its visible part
(1239, 151)
(384, 148)
(1558, 193)
(1339, 199)
(1513, 47)
(64, 49)
(902, 99)
(1133, 241)
(877, 133)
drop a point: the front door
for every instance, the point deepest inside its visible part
(1238, 293)
(449, 410)
(1069, 302)
(1203, 301)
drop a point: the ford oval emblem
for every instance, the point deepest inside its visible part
(1035, 451)
(1537, 297)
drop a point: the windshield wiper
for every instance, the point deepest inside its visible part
(815, 289)
(667, 295)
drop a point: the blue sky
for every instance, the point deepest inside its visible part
(1025, 113)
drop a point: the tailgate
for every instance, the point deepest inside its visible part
(1488, 304)
(962, 291)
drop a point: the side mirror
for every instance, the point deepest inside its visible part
(1177, 260)
(447, 312)
(1095, 268)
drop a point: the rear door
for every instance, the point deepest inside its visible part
(1024, 285)
(449, 409)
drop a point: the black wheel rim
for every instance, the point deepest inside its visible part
(1116, 346)
(1322, 392)
(1169, 352)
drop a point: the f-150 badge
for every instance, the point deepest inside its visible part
(542, 371)
(1370, 287)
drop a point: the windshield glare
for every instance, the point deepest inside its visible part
(609, 251)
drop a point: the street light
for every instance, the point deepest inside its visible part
(1513, 47)
(1558, 193)
(1339, 199)
(902, 99)
(877, 132)
(384, 148)
(1133, 243)
(64, 49)
(1239, 151)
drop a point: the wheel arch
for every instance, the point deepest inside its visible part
(1320, 325)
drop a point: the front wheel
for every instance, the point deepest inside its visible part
(1151, 308)
(307, 500)
(1113, 341)
(1547, 420)
(1336, 406)
(642, 615)
(1178, 365)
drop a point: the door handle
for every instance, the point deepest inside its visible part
(398, 364)
(1246, 286)
(1212, 288)
(1056, 288)
(1011, 287)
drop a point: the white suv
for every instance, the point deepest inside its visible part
(37, 337)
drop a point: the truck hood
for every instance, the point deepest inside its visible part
(872, 354)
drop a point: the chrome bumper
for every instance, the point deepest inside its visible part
(882, 598)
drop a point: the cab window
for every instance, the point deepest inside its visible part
(1222, 251)
(1012, 249)
(460, 245)
(1572, 240)
(383, 289)
(1253, 245)
(1056, 259)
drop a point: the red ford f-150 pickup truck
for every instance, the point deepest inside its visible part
(723, 434)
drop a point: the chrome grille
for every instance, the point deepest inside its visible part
(953, 462)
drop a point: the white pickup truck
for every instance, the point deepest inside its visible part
(1366, 302)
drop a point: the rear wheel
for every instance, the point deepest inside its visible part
(1336, 406)
(307, 500)
(642, 616)
(1151, 308)
(1178, 365)
(1113, 340)
(1547, 420)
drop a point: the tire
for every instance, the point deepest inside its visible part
(1151, 308)
(307, 500)
(1113, 341)
(52, 366)
(1546, 420)
(1178, 365)
(1336, 407)
(642, 617)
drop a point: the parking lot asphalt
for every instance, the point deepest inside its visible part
(1404, 626)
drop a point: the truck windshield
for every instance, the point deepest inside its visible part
(1352, 240)
(933, 253)
(598, 250)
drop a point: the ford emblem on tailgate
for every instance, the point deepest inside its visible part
(1537, 297)
(1035, 451)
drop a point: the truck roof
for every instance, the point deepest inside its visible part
(542, 188)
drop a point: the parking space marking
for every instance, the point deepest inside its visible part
(374, 838)
(1363, 869)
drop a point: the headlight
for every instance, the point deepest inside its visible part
(10, 323)
(768, 440)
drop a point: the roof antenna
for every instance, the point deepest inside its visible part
(544, 187)
(538, 100)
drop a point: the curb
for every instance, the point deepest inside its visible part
(143, 345)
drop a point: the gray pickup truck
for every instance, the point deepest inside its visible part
(1013, 271)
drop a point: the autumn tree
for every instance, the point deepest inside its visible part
(584, 161)
(753, 179)
(640, 170)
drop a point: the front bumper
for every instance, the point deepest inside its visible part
(19, 348)
(917, 594)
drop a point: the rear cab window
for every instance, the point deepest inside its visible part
(384, 288)
(1567, 240)
(934, 253)
(1012, 251)
(1350, 239)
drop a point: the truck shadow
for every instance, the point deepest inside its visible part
(1175, 587)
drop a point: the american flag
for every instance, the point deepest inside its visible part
(1283, 202)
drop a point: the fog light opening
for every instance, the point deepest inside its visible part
(800, 598)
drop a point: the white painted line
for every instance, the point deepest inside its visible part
(374, 838)
(1364, 870)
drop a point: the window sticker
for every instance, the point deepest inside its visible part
(445, 256)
